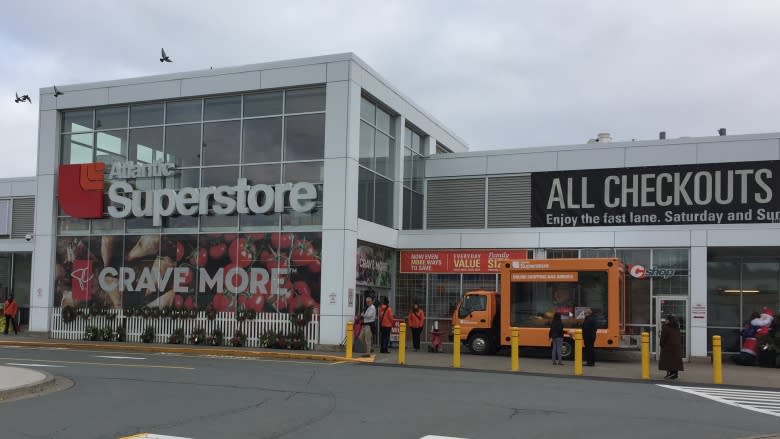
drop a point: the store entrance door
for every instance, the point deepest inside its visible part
(677, 306)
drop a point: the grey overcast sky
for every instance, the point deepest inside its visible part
(500, 74)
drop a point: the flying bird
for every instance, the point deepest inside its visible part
(56, 92)
(164, 57)
(24, 98)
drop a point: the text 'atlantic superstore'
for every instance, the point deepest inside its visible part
(301, 186)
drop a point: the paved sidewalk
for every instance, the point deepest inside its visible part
(607, 366)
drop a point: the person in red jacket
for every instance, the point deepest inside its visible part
(416, 321)
(9, 310)
(385, 317)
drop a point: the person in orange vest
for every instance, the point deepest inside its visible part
(385, 325)
(9, 310)
(416, 321)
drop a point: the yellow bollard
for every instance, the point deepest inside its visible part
(578, 352)
(717, 367)
(456, 347)
(350, 336)
(402, 344)
(645, 355)
(515, 350)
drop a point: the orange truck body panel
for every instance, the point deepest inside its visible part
(562, 270)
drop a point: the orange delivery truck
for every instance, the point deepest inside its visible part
(532, 291)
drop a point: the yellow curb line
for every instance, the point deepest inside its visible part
(191, 351)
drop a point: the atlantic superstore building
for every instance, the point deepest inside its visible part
(308, 184)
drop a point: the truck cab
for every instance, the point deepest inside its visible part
(478, 315)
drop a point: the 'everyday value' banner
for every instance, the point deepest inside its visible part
(457, 261)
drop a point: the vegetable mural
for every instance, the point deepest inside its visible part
(262, 272)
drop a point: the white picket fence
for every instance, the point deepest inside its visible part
(165, 326)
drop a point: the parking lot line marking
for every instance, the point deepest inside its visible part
(116, 357)
(338, 362)
(32, 365)
(440, 437)
(101, 364)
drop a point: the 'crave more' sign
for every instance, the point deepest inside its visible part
(721, 193)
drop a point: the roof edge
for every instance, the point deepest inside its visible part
(270, 65)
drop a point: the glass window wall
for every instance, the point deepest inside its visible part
(377, 161)
(146, 114)
(263, 104)
(414, 180)
(740, 281)
(280, 130)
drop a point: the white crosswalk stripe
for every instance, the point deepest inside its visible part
(761, 401)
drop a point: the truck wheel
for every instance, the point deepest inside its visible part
(479, 344)
(567, 349)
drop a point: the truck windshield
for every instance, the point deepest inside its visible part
(534, 303)
(472, 302)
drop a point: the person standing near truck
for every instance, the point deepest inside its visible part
(589, 328)
(670, 359)
(416, 321)
(385, 325)
(556, 337)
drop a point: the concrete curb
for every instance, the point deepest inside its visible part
(28, 389)
(224, 352)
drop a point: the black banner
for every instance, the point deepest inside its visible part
(719, 193)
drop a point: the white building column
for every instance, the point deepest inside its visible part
(339, 224)
(42, 275)
(697, 314)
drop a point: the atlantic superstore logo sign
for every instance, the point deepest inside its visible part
(719, 193)
(81, 192)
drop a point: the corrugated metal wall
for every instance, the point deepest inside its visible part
(456, 203)
(509, 201)
(22, 217)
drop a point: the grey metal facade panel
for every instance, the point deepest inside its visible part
(661, 155)
(456, 203)
(518, 163)
(22, 217)
(509, 201)
(738, 151)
